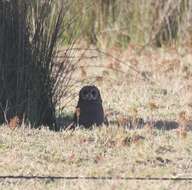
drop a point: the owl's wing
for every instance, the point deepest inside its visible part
(76, 114)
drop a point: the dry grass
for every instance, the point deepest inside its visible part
(106, 151)
(131, 81)
(114, 151)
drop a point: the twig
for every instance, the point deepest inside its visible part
(5, 112)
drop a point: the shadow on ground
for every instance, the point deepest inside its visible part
(115, 118)
(64, 120)
(166, 125)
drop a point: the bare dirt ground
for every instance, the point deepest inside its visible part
(154, 84)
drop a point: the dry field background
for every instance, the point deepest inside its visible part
(131, 80)
(154, 84)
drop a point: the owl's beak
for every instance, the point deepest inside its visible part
(89, 97)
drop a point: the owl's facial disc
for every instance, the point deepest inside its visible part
(89, 93)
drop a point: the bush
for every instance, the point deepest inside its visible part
(32, 80)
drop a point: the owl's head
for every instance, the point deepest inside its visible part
(90, 93)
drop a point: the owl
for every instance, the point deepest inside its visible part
(89, 110)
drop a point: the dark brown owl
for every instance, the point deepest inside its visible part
(89, 110)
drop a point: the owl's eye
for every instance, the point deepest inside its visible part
(84, 94)
(94, 94)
